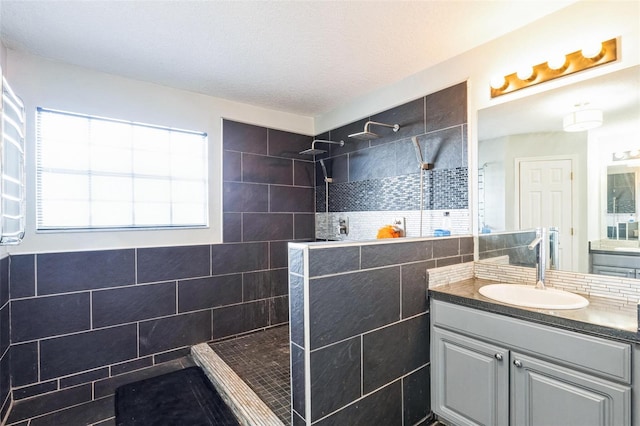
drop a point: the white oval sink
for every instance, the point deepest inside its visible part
(530, 297)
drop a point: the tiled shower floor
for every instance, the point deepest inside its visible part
(261, 359)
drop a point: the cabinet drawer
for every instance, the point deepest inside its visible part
(617, 260)
(593, 355)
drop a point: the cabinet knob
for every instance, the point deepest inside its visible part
(498, 356)
(517, 363)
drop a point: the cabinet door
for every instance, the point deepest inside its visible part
(471, 380)
(547, 394)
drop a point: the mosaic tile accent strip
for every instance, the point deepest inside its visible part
(443, 189)
(261, 359)
(450, 274)
(365, 225)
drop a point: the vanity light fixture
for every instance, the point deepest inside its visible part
(589, 57)
(634, 154)
(582, 119)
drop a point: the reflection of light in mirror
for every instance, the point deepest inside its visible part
(582, 120)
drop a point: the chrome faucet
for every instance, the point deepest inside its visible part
(540, 244)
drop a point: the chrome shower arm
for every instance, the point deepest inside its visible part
(395, 127)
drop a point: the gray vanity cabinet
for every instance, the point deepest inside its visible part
(472, 380)
(489, 369)
(543, 393)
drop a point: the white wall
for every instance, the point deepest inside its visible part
(54, 85)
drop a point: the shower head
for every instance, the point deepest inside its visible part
(315, 151)
(423, 165)
(312, 151)
(367, 134)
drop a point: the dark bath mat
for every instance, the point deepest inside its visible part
(183, 397)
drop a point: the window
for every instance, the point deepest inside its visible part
(99, 173)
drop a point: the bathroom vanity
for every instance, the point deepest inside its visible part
(497, 364)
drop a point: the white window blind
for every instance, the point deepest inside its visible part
(97, 173)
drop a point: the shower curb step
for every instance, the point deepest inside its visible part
(248, 408)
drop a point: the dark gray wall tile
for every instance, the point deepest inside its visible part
(395, 253)
(393, 351)
(81, 378)
(65, 272)
(443, 148)
(5, 332)
(209, 292)
(170, 263)
(337, 169)
(287, 144)
(291, 199)
(355, 302)
(466, 245)
(245, 197)
(23, 275)
(108, 386)
(417, 396)
(5, 379)
(85, 414)
(128, 366)
(231, 166)
(240, 257)
(335, 377)
(171, 355)
(244, 137)
(297, 379)
(490, 242)
(296, 309)
(264, 169)
(334, 260)
(447, 108)
(49, 316)
(240, 318)
(264, 284)
(372, 163)
(297, 420)
(278, 310)
(446, 247)
(410, 116)
(447, 261)
(267, 226)
(4, 280)
(129, 304)
(232, 227)
(33, 390)
(65, 355)
(406, 158)
(304, 226)
(278, 254)
(383, 407)
(50, 402)
(303, 173)
(414, 288)
(24, 363)
(174, 332)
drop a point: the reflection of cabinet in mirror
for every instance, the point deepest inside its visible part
(621, 193)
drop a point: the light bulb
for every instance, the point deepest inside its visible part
(498, 82)
(557, 62)
(593, 51)
(526, 73)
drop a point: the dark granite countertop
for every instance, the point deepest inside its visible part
(618, 325)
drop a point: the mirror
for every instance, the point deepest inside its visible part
(533, 173)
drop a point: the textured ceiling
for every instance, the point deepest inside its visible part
(305, 57)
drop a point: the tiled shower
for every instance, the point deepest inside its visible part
(75, 325)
